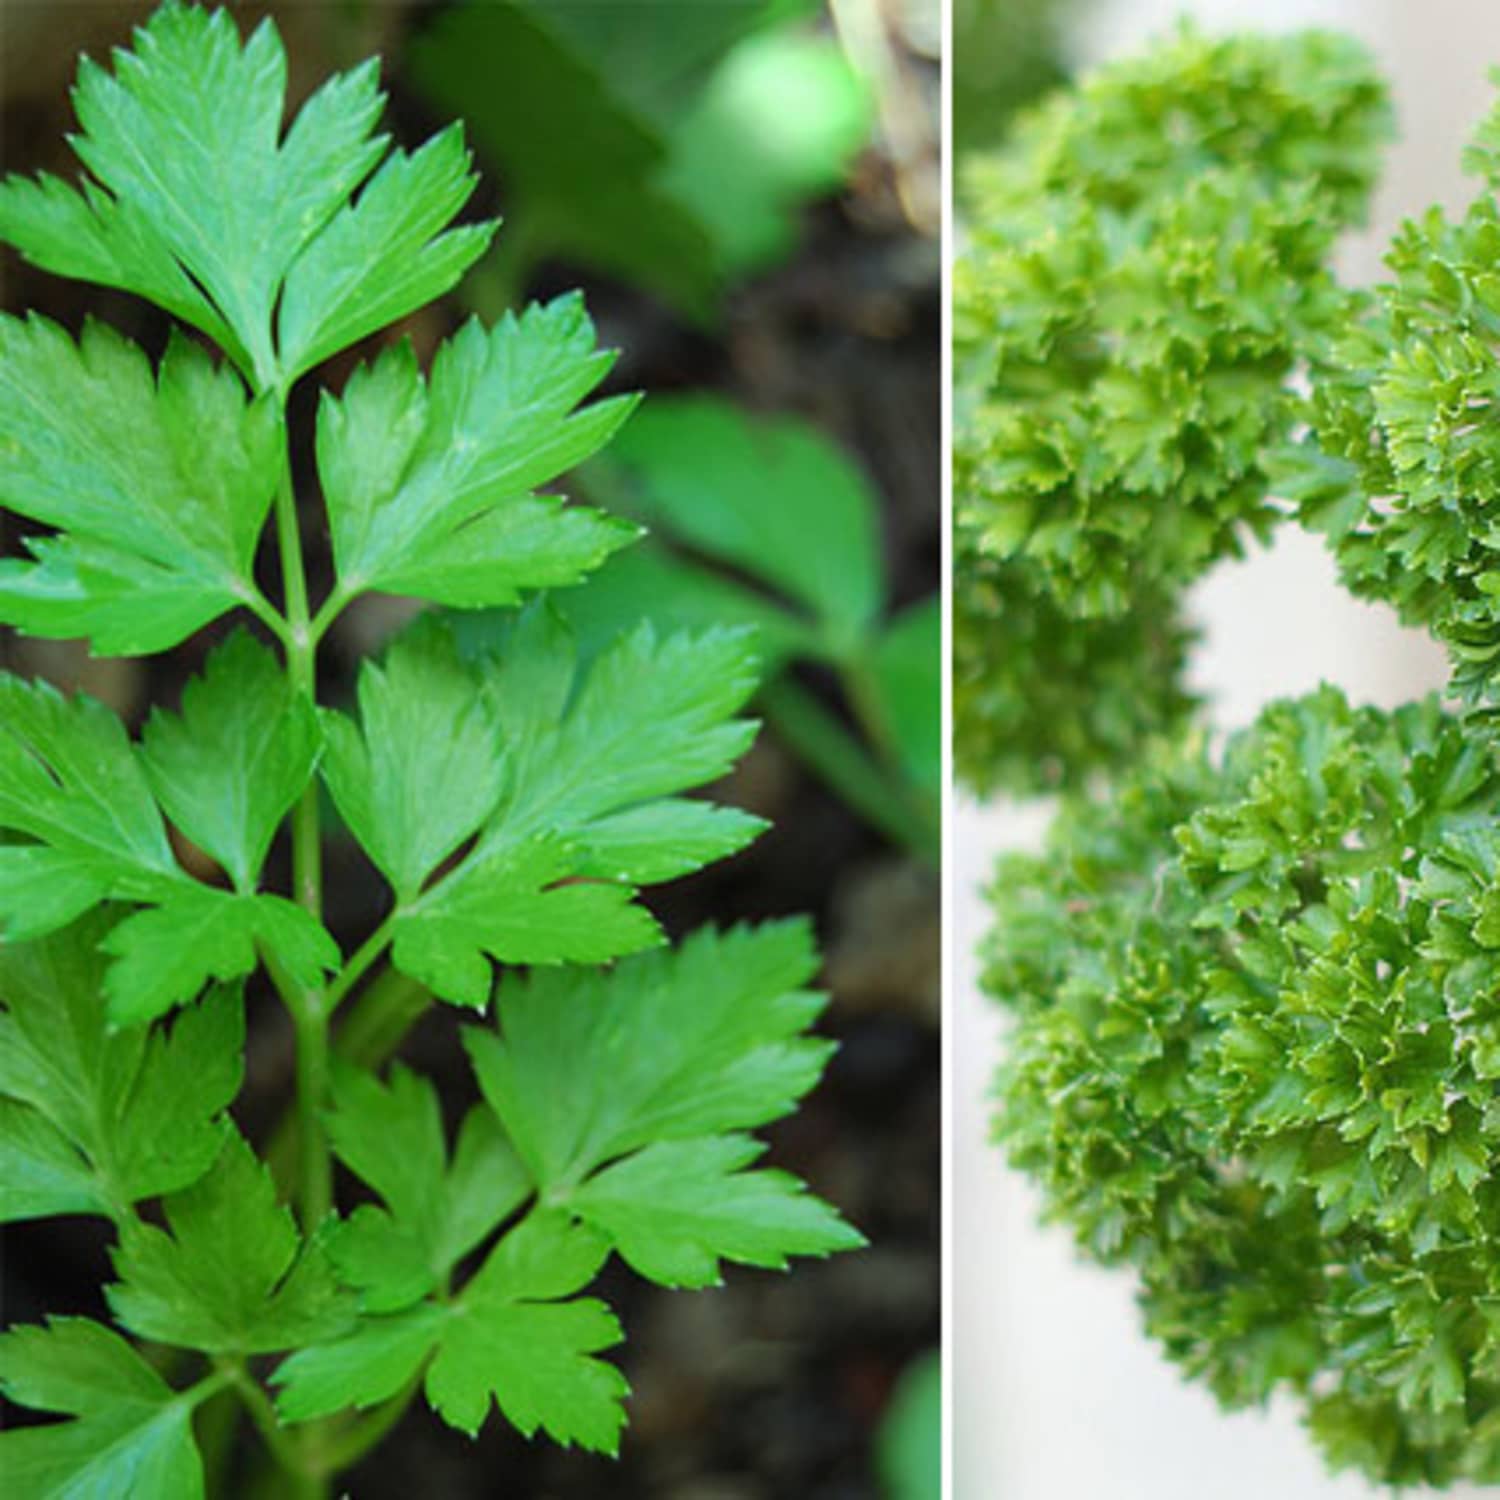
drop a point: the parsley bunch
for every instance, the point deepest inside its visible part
(514, 796)
(1256, 1059)
(1401, 469)
(1257, 1041)
(1145, 268)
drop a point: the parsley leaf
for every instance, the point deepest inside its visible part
(202, 203)
(166, 953)
(649, 716)
(228, 768)
(705, 1039)
(143, 1110)
(132, 1437)
(382, 255)
(673, 1209)
(230, 1274)
(1129, 318)
(428, 482)
(520, 902)
(1253, 1036)
(507, 1336)
(240, 202)
(686, 1056)
(71, 780)
(436, 1211)
(619, 1094)
(516, 1341)
(40, 1173)
(159, 487)
(560, 773)
(412, 792)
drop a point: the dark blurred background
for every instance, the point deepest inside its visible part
(773, 1387)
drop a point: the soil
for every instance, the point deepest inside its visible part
(772, 1387)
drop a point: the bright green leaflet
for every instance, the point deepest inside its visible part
(435, 1210)
(159, 486)
(229, 767)
(515, 1335)
(131, 1114)
(242, 210)
(73, 784)
(132, 1435)
(230, 1273)
(428, 482)
(560, 776)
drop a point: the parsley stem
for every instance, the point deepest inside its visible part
(328, 612)
(315, 1168)
(269, 616)
(301, 661)
(283, 1446)
(359, 965)
(310, 1023)
(307, 1005)
(382, 1017)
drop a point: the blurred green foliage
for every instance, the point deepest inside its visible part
(666, 143)
(911, 1437)
(1005, 54)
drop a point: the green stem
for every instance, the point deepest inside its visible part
(216, 1426)
(269, 616)
(838, 757)
(302, 668)
(307, 1004)
(355, 970)
(369, 1430)
(314, 1165)
(307, 1483)
(381, 1018)
(329, 611)
(372, 1030)
(863, 693)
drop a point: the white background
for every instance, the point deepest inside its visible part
(1057, 1393)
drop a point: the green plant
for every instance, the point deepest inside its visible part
(694, 133)
(778, 505)
(911, 1437)
(513, 798)
(1256, 1041)
(1146, 269)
